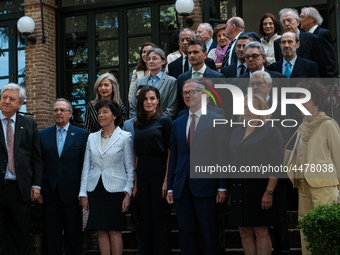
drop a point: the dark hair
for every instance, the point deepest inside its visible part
(142, 116)
(245, 37)
(199, 42)
(277, 25)
(141, 64)
(113, 106)
(174, 41)
(316, 89)
(218, 28)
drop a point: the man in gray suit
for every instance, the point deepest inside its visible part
(166, 85)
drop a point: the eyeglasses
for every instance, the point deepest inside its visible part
(62, 110)
(254, 56)
(257, 84)
(190, 92)
(153, 59)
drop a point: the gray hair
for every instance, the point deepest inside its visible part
(64, 100)
(266, 76)
(160, 52)
(17, 87)
(186, 30)
(254, 45)
(296, 13)
(313, 13)
(208, 27)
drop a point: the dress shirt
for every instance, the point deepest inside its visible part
(201, 71)
(313, 29)
(239, 68)
(183, 63)
(208, 44)
(155, 80)
(197, 118)
(65, 134)
(8, 174)
(292, 62)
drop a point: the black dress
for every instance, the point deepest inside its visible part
(151, 142)
(263, 146)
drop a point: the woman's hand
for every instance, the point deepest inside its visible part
(164, 189)
(84, 202)
(267, 201)
(126, 202)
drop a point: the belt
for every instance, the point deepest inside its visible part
(7, 181)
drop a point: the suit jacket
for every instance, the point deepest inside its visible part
(27, 156)
(179, 161)
(114, 164)
(212, 46)
(167, 87)
(186, 76)
(176, 67)
(230, 71)
(323, 148)
(303, 68)
(327, 63)
(63, 173)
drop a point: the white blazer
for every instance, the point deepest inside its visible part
(115, 164)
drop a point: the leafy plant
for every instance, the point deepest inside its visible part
(321, 229)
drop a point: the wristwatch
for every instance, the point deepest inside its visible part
(270, 192)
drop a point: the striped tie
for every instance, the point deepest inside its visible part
(225, 61)
(10, 146)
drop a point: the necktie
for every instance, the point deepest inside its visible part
(288, 72)
(61, 141)
(225, 61)
(196, 74)
(243, 68)
(191, 128)
(186, 64)
(10, 146)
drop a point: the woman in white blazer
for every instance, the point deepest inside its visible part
(107, 178)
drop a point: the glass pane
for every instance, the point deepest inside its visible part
(139, 20)
(21, 81)
(226, 10)
(3, 83)
(135, 45)
(3, 38)
(114, 71)
(107, 53)
(21, 62)
(131, 68)
(10, 6)
(78, 116)
(107, 25)
(76, 28)
(167, 17)
(76, 55)
(78, 86)
(81, 2)
(4, 64)
(165, 43)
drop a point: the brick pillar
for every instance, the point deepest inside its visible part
(41, 63)
(196, 15)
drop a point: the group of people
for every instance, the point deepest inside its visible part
(148, 157)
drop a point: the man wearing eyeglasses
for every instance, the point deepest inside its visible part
(63, 148)
(20, 171)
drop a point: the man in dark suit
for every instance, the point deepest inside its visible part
(236, 69)
(309, 43)
(182, 65)
(205, 33)
(235, 28)
(196, 198)
(63, 149)
(197, 53)
(292, 65)
(310, 21)
(21, 171)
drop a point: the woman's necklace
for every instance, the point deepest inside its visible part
(106, 136)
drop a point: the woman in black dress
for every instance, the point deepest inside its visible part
(151, 142)
(252, 197)
(106, 88)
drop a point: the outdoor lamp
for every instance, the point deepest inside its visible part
(26, 26)
(184, 8)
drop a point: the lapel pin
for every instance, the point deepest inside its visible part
(72, 134)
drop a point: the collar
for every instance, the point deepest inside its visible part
(313, 29)
(239, 63)
(298, 34)
(208, 44)
(267, 98)
(291, 61)
(201, 71)
(66, 127)
(2, 116)
(159, 75)
(198, 113)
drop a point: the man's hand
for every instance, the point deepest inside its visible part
(35, 194)
(221, 196)
(170, 198)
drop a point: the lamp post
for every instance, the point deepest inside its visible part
(184, 8)
(26, 26)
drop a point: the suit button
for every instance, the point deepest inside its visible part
(234, 184)
(240, 201)
(101, 157)
(101, 169)
(240, 184)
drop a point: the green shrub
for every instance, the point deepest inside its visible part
(321, 227)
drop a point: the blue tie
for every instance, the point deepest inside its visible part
(61, 141)
(288, 72)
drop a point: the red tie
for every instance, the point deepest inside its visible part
(191, 128)
(10, 146)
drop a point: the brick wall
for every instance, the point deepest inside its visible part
(41, 63)
(196, 15)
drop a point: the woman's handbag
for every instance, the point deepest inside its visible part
(286, 152)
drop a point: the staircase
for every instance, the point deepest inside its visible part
(232, 241)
